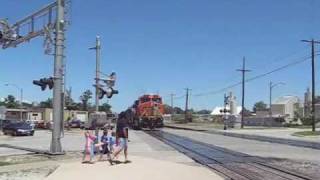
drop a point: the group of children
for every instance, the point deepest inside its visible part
(104, 146)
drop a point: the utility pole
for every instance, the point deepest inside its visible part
(98, 49)
(271, 86)
(312, 41)
(186, 105)
(243, 71)
(225, 101)
(13, 36)
(55, 147)
(172, 109)
(97, 85)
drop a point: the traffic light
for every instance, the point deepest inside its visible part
(44, 82)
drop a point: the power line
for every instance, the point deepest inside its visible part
(180, 97)
(253, 78)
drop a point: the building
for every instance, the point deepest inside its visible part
(307, 102)
(43, 114)
(16, 114)
(285, 107)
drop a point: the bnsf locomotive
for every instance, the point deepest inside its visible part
(146, 112)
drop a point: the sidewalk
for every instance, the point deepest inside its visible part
(139, 169)
(275, 135)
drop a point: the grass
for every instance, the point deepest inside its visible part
(306, 133)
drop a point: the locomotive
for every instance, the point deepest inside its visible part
(146, 112)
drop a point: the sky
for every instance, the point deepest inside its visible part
(165, 46)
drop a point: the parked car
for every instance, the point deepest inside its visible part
(76, 123)
(20, 128)
(44, 125)
(4, 122)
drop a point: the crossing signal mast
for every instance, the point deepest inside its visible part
(54, 21)
(225, 111)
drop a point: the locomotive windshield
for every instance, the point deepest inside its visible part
(144, 100)
(157, 100)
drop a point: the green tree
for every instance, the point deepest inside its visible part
(46, 104)
(246, 112)
(204, 111)
(10, 102)
(168, 109)
(105, 107)
(178, 110)
(85, 97)
(259, 106)
(69, 102)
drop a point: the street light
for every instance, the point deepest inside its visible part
(271, 86)
(21, 96)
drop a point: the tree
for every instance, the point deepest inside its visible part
(69, 102)
(168, 109)
(47, 103)
(10, 102)
(259, 106)
(204, 111)
(246, 112)
(178, 110)
(105, 107)
(85, 97)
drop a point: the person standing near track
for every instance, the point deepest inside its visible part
(89, 147)
(122, 136)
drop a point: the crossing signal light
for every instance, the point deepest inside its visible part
(44, 82)
(109, 92)
(101, 93)
(224, 110)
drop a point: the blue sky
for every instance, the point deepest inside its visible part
(165, 46)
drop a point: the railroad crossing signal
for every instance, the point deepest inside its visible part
(111, 79)
(109, 91)
(44, 82)
(224, 110)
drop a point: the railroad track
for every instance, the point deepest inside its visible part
(230, 164)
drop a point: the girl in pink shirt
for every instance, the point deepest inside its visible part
(89, 147)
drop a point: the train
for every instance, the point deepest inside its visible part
(146, 112)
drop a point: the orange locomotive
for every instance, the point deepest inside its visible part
(147, 112)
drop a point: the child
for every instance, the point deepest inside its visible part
(112, 141)
(89, 148)
(105, 145)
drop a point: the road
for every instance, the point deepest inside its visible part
(72, 141)
(252, 147)
(143, 145)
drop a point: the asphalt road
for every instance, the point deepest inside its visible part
(72, 141)
(253, 147)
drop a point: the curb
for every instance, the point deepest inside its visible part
(291, 142)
